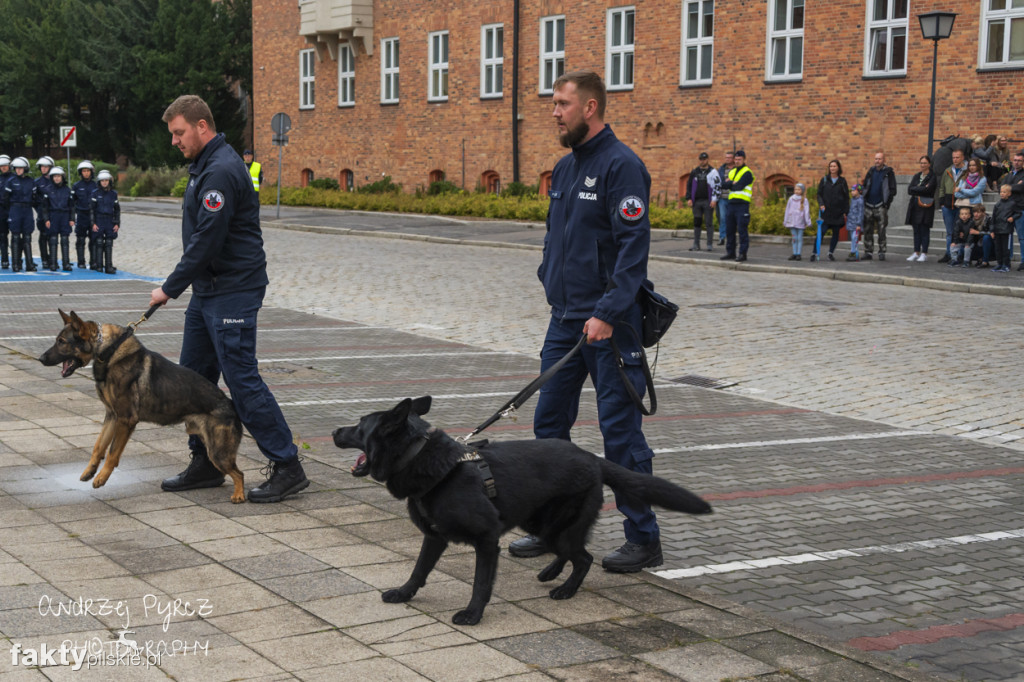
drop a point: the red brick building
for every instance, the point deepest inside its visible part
(424, 89)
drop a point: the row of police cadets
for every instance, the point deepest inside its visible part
(59, 209)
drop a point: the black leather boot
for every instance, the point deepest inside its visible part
(80, 249)
(529, 546)
(96, 254)
(5, 256)
(44, 251)
(65, 252)
(200, 473)
(633, 557)
(108, 260)
(284, 479)
(53, 253)
(15, 252)
(26, 246)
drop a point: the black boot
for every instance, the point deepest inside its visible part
(108, 250)
(200, 473)
(633, 557)
(65, 252)
(529, 546)
(95, 254)
(285, 479)
(5, 257)
(53, 253)
(26, 246)
(44, 242)
(80, 249)
(15, 252)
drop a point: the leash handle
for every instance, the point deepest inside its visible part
(146, 315)
(509, 408)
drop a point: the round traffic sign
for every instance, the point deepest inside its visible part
(281, 123)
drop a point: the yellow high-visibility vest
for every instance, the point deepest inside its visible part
(254, 171)
(747, 193)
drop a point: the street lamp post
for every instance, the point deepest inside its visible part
(935, 26)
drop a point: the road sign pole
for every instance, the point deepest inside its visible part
(280, 154)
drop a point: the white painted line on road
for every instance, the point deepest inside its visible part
(264, 361)
(144, 334)
(792, 441)
(808, 557)
(353, 401)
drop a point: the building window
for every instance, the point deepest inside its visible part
(886, 50)
(436, 175)
(544, 183)
(307, 79)
(389, 70)
(1002, 27)
(492, 58)
(785, 39)
(490, 181)
(347, 180)
(552, 52)
(619, 66)
(306, 178)
(698, 41)
(346, 76)
(438, 88)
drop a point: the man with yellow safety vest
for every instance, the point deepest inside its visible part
(255, 170)
(739, 188)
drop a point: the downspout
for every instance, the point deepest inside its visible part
(515, 91)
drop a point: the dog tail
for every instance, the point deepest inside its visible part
(644, 489)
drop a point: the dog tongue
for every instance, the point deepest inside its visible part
(360, 468)
(65, 369)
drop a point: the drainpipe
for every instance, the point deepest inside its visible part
(515, 91)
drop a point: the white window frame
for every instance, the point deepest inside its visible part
(1005, 17)
(389, 81)
(890, 26)
(790, 35)
(620, 49)
(346, 75)
(307, 78)
(552, 61)
(437, 71)
(698, 50)
(492, 66)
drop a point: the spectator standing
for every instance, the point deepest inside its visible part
(1003, 218)
(739, 186)
(855, 222)
(702, 196)
(947, 188)
(797, 218)
(879, 191)
(834, 202)
(921, 209)
(1015, 180)
(723, 205)
(255, 169)
(999, 157)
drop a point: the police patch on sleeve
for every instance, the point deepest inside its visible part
(213, 201)
(632, 209)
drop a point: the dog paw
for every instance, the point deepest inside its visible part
(99, 481)
(395, 596)
(88, 473)
(562, 592)
(551, 572)
(467, 617)
(238, 499)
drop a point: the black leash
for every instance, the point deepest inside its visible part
(509, 408)
(648, 378)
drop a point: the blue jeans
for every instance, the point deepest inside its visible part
(220, 338)
(798, 240)
(620, 419)
(721, 207)
(1018, 221)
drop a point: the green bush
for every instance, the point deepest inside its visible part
(518, 189)
(382, 186)
(179, 187)
(442, 187)
(325, 183)
(154, 182)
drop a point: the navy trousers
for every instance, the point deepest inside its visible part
(220, 338)
(620, 420)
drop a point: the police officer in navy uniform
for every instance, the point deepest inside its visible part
(83, 191)
(105, 218)
(44, 164)
(5, 230)
(58, 219)
(226, 266)
(17, 199)
(595, 260)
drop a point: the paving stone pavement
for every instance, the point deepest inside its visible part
(838, 517)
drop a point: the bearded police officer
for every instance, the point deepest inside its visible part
(226, 266)
(595, 260)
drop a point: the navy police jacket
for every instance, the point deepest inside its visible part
(104, 202)
(220, 227)
(598, 232)
(20, 189)
(56, 200)
(83, 190)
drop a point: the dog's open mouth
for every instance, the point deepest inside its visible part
(361, 467)
(69, 367)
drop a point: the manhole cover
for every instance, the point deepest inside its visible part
(703, 382)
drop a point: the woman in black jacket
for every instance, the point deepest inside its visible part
(834, 203)
(921, 211)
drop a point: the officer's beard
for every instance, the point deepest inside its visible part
(574, 136)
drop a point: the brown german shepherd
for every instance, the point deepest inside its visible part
(136, 384)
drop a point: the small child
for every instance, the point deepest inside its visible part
(961, 230)
(797, 218)
(1003, 227)
(981, 225)
(855, 220)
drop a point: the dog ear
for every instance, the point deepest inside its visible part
(63, 316)
(421, 406)
(399, 413)
(76, 321)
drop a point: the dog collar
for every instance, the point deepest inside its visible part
(413, 450)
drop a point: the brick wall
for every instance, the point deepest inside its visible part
(787, 129)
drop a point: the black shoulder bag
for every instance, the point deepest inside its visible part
(657, 314)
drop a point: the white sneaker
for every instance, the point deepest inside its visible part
(922, 258)
(913, 256)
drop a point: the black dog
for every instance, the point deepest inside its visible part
(549, 488)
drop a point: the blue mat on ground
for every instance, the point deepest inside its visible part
(78, 274)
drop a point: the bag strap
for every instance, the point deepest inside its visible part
(515, 403)
(648, 379)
